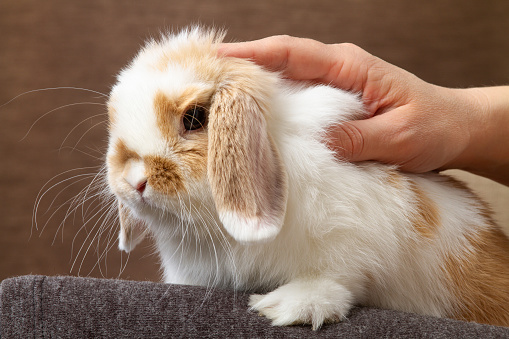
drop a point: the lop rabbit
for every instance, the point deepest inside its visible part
(224, 164)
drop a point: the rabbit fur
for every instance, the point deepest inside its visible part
(254, 200)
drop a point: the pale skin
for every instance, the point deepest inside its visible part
(417, 125)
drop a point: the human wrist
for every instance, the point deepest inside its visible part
(487, 151)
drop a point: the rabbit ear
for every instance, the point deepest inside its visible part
(246, 175)
(132, 230)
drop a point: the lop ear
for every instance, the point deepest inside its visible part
(247, 178)
(132, 230)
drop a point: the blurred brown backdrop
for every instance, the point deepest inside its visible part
(58, 43)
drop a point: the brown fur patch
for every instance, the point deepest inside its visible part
(394, 178)
(164, 175)
(185, 55)
(167, 115)
(231, 148)
(201, 55)
(480, 279)
(426, 218)
(194, 96)
(121, 155)
(457, 184)
(170, 110)
(193, 156)
(484, 209)
(244, 168)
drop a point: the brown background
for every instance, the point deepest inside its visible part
(47, 44)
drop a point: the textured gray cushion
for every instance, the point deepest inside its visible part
(70, 307)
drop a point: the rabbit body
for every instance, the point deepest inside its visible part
(254, 200)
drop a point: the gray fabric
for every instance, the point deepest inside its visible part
(70, 307)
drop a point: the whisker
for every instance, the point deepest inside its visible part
(94, 185)
(87, 237)
(210, 284)
(53, 89)
(183, 224)
(95, 181)
(110, 242)
(69, 210)
(98, 208)
(99, 158)
(83, 177)
(56, 109)
(43, 191)
(124, 266)
(75, 127)
(91, 128)
(72, 210)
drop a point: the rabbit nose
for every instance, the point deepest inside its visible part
(139, 184)
(140, 187)
(134, 175)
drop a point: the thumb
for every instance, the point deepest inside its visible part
(360, 140)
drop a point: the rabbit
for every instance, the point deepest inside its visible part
(225, 165)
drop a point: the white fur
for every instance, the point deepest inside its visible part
(305, 301)
(134, 173)
(128, 243)
(344, 223)
(244, 234)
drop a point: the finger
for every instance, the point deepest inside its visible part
(297, 58)
(361, 140)
(264, 52)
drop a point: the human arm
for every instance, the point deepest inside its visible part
(412, 123)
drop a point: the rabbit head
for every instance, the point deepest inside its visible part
(189, 128)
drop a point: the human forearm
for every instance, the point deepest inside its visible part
(487, 153)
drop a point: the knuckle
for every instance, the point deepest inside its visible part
(348, 47)
(348, 142)
(356, 140)
(356, 53)
(283, 39)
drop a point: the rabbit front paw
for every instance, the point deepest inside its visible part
(304, 302)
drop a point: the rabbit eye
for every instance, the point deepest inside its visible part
(195, 118)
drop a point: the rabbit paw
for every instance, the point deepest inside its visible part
(304, 302)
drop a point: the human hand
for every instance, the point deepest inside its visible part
(414, 124)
